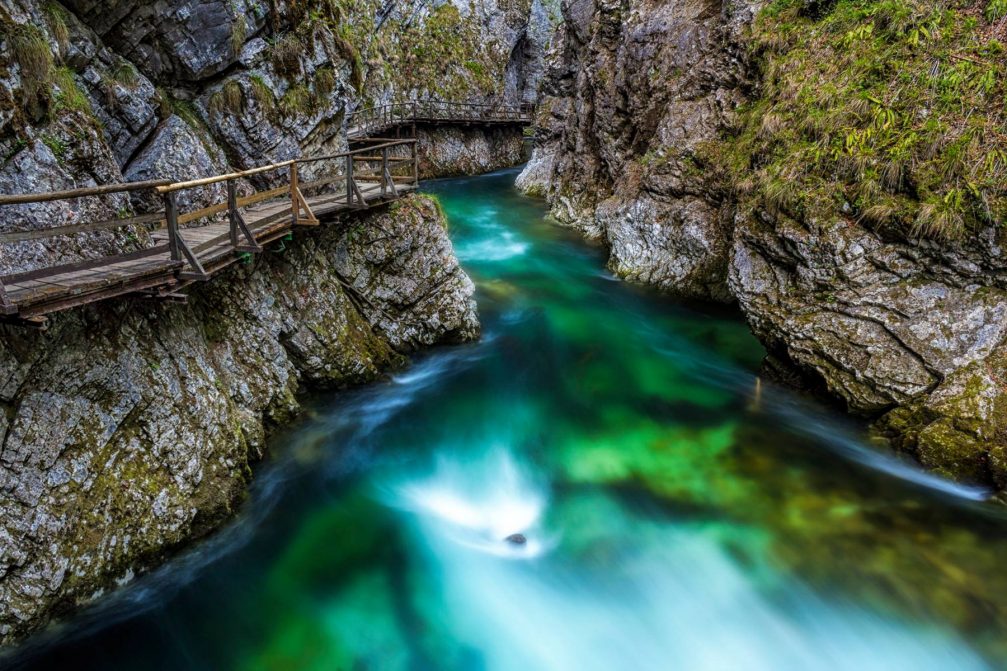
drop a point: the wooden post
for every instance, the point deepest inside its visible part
(349, 179)
(416, 162)
(171, 216)
(384, 171)
(294, 205)
(232, 211)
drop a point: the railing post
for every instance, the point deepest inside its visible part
(349, 179)
(384, 171)
(416, 162)
(232, 211)
(294, 206)
(171, 216)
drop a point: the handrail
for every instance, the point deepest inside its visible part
(356, 179)
(120, 187)
(216, 179)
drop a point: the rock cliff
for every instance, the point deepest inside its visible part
(835, 168)
(128, 430)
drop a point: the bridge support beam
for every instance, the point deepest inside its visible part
(239, 229)
(176, 244)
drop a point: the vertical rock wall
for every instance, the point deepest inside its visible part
(818, 206)
(129, 429)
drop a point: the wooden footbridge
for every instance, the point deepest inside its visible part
(176, 248)
(394, 118)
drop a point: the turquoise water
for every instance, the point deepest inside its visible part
(677, 512)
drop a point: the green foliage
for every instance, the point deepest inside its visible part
(895, 107)
(262, 93)
(126, 75)
(297, 100)
(352, 54)
(58, 147)
(286, 55)
(186, 111)
(229, 98)
(30, 50)
(325, 82)
(239, 33)
(56, 18)
(430, 51)
(996, 10)
(68, 97)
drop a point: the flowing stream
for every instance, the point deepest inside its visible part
(665, 508)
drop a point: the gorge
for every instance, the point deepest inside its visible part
(825, 176)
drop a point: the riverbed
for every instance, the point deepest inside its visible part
(665, 507)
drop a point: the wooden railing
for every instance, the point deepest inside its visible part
(351, 179)
(370, 120)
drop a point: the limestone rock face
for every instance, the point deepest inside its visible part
(128, 430)
(417, 293)
(455, 151)
(632, 89)
(640, 95)
(178, 152)
(185, 40)
(881, 323)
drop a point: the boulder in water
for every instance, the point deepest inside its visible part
(516, 539)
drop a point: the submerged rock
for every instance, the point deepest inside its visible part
(516, 539)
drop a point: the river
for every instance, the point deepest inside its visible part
(674, 511)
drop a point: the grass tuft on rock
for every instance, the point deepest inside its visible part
(56, 17)
(30, 50)
(887, 112)
(230, 98)
(286, 56)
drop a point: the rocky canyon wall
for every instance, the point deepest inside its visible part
(128, 429)
(832, 167)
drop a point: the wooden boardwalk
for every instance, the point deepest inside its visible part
(193, 246)
(394, 117)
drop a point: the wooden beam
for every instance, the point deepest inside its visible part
(56, 231)
(21, 198)
(205, 181)
(6, 307)
(171, 217)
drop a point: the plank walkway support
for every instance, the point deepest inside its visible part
(238, 227)
(180, 253)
